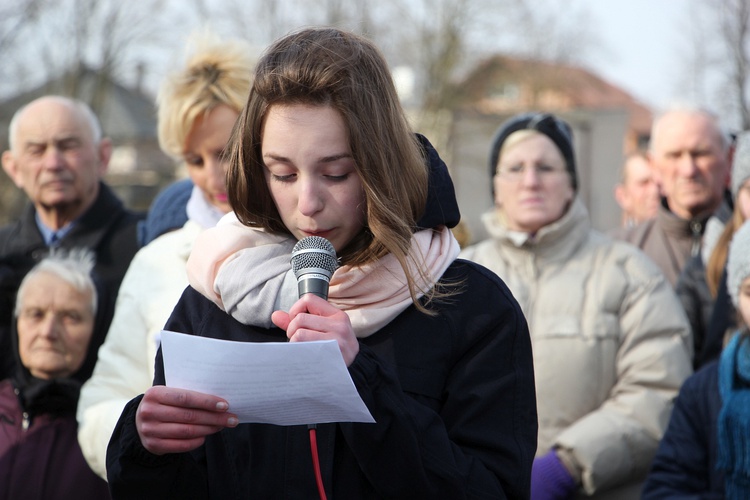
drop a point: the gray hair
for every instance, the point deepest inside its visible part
(76, 104)
(73, 266)
(725, 137)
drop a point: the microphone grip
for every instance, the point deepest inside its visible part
(317, 285)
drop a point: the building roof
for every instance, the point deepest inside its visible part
(504, 83)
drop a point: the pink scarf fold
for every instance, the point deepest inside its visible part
(247, 272)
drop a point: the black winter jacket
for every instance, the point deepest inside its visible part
(452, 395)
(685, 463)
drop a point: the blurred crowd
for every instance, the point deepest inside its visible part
(636, 380)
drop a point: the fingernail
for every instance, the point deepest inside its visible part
(222, 406)
(233, 421)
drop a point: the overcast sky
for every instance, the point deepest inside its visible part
(646, 43)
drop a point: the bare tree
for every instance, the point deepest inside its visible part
(734, 25)
(550, 31)
(717, 58)
(14, 17)
(109, 37)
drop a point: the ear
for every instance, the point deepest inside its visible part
(496, 184)
(105, 154)
(10, 167)
(571, 193)
(620, 196)
(654, 169)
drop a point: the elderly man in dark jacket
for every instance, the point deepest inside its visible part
(58, 156)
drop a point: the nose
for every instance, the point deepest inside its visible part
(52, 158)
(686, 165)
(217, 171)
(50, 326)
(530, 176)
(310, 197)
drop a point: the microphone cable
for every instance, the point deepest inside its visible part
(316, 460)
(314, 262)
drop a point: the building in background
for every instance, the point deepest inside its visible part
(608, 123)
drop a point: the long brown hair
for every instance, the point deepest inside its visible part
(330, 67)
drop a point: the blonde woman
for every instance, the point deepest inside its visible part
(198, 106)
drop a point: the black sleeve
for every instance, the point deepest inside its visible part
(135, 473)
(685, 462)
(689, 293)
(723, 319)
(482, 441)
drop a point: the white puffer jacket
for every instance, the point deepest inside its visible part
(150, 289)
(611, 345)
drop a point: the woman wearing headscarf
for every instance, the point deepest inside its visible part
(54, 321)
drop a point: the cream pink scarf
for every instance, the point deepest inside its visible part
(247, 272)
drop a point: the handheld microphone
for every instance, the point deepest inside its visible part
(313, 262)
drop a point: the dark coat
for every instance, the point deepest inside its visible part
(685, 463)
(452, 395)
(723, 320)
(107, 228)
(668, 240)
(42, 461)
(692, 290)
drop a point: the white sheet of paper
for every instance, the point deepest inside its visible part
(282, 383)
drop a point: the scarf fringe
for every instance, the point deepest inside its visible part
(734, 434)
(734, 424)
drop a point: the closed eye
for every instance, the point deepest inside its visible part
(194, 161)
(284, 178)
(337, 178)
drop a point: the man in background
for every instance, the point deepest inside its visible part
(690, 157)
(637, 193)
(58, 156)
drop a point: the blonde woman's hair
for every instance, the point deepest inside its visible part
(217, 72)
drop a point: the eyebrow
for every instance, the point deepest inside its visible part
(324, 159)
(54, 140)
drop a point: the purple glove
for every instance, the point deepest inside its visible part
(550, 479)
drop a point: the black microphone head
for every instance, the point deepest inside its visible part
(314, 261)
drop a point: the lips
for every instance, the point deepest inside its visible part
(221, 197)
(320, 232)
(56, 183)
(531, 201)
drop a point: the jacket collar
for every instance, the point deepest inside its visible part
(556, 241)
(677, 226)
(88, 231)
